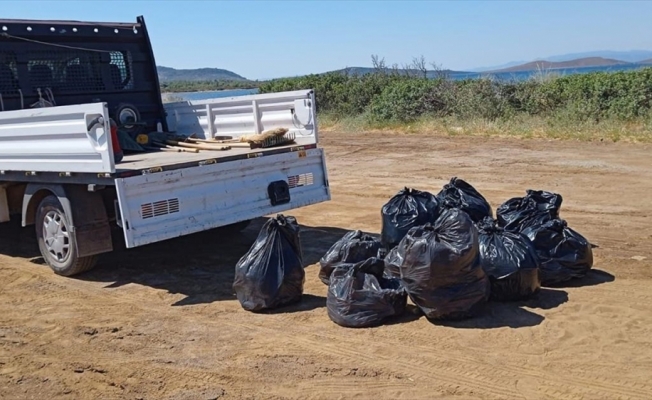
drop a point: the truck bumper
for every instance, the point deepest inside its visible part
(164, 205)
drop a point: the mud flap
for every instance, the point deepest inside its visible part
(92, 229)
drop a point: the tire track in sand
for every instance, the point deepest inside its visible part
(450, 372)
(484, 378)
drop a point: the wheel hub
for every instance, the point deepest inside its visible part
(56, 236)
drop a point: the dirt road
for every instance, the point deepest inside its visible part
(162, 322)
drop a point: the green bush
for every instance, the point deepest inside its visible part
(387, 97)
(403, 101)
(482, 98)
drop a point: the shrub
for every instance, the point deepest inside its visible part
(403, 101)
(383, 96)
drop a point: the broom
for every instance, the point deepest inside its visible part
(256, 138)
(268, 138)
(260, 138)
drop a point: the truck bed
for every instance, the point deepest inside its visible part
(170, 160)
(73, 140)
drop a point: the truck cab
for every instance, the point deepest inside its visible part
(87, 145)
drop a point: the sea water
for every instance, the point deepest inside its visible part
(508, 76)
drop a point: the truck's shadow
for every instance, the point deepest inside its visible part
(16, 241)
(202, 266)
(199, 266)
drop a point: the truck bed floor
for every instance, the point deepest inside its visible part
(166, 159)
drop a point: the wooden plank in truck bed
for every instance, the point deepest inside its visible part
(138, 162)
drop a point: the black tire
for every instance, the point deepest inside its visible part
(57, 248)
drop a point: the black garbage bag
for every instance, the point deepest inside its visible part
(535, 208)
(564, 253)
(461, 195)
(353, 247)
(510, 261)
(440, 267)
(359, 296)
(382, 252)
(393, 261)
(406, 209)
(546, 201)
(271, 273)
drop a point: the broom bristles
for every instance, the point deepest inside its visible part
(259, 138)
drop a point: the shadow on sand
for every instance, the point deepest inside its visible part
(308, 302)
(496, 314)
(593, 278)
(199, 266)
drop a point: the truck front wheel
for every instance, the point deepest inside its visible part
(56, 241)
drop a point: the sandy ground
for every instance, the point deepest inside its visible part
(161, 322)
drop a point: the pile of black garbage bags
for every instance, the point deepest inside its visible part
(447, 253)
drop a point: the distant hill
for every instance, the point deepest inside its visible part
(496, 67)
(578, 63)
(646, 61)
(167, 74)
(632, 56)
(368, 70)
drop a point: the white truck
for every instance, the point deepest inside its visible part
(63, 84)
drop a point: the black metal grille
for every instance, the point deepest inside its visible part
(76, 70)
(120, 73)
(72, 62)
(65, 70)
(8, 73)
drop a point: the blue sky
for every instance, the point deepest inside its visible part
(268, 39)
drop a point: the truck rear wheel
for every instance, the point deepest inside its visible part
(56, 241)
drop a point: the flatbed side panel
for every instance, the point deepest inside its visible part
(165, 205)
(56, 139)
(245, 115)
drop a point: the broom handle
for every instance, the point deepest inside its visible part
(209, 141)
(195, 146)
(165, 147)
